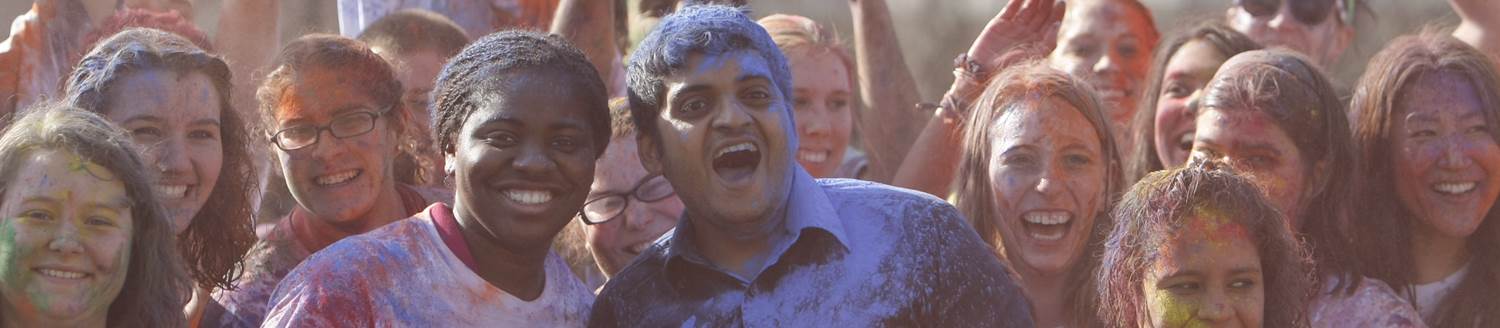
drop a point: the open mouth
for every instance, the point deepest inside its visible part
(61, 274)
(812, 156)
(171, 191)
(1454, 188)
(1047, 225)
(528, 197)
(638, 248)
(337, 178)
(737, 162)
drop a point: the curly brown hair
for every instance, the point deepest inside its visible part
(1161, 204)
(1387, 236)
(215, 242)
(155, 286)
(1032, 79)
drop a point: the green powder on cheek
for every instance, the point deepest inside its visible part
(12, 275)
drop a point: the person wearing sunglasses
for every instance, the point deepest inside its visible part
(627, 208)
(1319, 29)
(333, 111)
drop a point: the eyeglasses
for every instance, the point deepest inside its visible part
(601, 209)
(1310, 12)
(344, 126)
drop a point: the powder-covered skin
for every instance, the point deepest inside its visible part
(403, 275)
(269, 261)
(1373, 304)
(866, 255)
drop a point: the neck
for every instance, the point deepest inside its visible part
(518, 270)
(318, 232)
(1478, 37)
(1046, 293)
(741, 250)
(1436, 256)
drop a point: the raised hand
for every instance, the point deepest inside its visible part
(1029, 25)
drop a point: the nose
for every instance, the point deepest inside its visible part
(1455, 154)
(1051, 185)
(1195, 101)
(329, 146)
(813, 122)
(532, 158)
(1215, 308)
(66, 239)
(1282, 21)
(1107, 65)
(637, 215)
(171, 156)
(732, 118)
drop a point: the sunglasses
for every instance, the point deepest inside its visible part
(1310, 12)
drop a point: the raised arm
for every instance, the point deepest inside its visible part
(888, 124)
(1024, 28)
(589, 25)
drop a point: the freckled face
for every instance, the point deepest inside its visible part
(1208, 275)
(618, 241)
(1048, 175)
(64, 240)
(1108, 44)
(524, 159)
(1447, 165)
(175, 119)
(1182, 84)
(335, 178)
(821, 98)
(1252, 143)
(724, 141)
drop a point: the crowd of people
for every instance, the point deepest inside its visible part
(648, 163)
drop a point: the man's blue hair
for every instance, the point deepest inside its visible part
(710, 30)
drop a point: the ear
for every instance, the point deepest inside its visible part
(1320, 179)
(649, 151)
(448, 160)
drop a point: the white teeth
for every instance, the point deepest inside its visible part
(333, 179)
(737, 147)
(1047, 218)
(171, 191)
(61, 274)
(529, 197)
(812, 156)
(1453, 188)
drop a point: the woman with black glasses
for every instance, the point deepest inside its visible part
(332, 110)
(627, 208)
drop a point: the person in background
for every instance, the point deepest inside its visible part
(1108, 43)
(1201, 247)
(1426, 120)
(823, 100)
(1163, 125)
(521, 118)
(417, 43)
(86, 242)
(336, 122)
(1478, 26)
(1319, 29)
(761, 242)
(173, 100)
(1272, 116)
(1037, 181)
(477, 17)
(43, 46)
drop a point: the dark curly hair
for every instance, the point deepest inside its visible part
(1387, 221)
(1161, 204)
(1143, 158)
(474, 75)
(155, 286)
(215, 242)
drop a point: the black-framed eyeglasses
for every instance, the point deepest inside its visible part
(344, 126)
(608, 206)
(1310, 12)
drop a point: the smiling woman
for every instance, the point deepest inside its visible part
(520, 118)
(83, 241)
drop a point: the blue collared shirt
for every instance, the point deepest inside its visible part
(851, 253)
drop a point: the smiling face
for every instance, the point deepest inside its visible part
(336, 179)
(821, 97)
(64, 240)
(723, 140)
(1182, 83)
(175, 118)
(1446, 163)
(1207, 274)
(1048, 176)
(1108, 44)
(1252, 143)
(618, 241)
(523, 161)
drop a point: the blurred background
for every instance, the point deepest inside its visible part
(931, 32)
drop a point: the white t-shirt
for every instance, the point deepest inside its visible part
(1429, 295)
(404, 275)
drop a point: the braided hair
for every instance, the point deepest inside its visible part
(472, 78)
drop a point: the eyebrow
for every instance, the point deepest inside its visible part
(1244, 270)
(208, 121)
(1257, 145)
(145, 118)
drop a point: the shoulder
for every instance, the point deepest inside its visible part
(641, 277)
(1373, 304)
(851, 193)
(357, 253)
